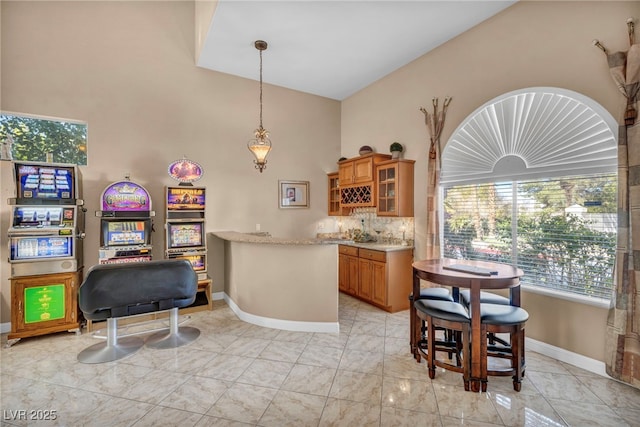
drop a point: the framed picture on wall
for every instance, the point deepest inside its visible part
(293, 194)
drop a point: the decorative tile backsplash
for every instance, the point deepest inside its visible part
(364, 224)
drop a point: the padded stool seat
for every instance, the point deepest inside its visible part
(485, 297)
(435, 293)
(113, 291)
(453, 317)
(500, 314)
(500, 318)
(446, 310)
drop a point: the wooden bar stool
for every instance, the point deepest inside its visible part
(500, 318)
(441, 294)
(451, 316)
(486, 298)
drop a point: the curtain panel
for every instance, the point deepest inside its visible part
(435, 123)
(622, 357)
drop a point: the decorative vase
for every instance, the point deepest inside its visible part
(396, 154)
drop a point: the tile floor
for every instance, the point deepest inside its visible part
(238, 374)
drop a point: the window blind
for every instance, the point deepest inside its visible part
(561, 232)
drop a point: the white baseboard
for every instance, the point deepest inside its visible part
(287, 325)
(217, 296)
(566, 356)
(5, 328)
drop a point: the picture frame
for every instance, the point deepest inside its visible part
(293, 194)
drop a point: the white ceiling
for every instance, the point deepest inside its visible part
(333, 48)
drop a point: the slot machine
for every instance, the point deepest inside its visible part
(185, 232)
(185, 227)
(45, 248)
(125, 223)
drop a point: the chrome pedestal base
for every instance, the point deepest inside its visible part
(177, 336)
(113, 348)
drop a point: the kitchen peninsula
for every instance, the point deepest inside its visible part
(293, 284)
(280, 283)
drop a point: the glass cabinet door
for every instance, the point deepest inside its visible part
(334, 195)
(387, 190)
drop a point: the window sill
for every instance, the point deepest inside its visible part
(596, 302)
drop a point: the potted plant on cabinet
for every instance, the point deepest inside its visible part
(396, 150)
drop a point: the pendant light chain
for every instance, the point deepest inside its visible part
(261, 144)
(261, 89)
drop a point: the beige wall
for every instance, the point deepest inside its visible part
(529, 44)
(127, 68)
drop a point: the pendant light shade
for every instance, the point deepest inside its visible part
(260, 145)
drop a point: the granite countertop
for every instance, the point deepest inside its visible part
(266, 238)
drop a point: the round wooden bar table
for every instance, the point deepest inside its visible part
(435, 271)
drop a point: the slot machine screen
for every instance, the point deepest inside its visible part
(185, 199)
(48, 182)
(125, 233)
(197, 261)
(34, 247)
(185, 235)
(43, 216)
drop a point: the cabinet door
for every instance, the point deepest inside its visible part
(365, 282)
(354, 275)
(394, 188)
(363, 170)
(387, 191)
(348, 274)
(334, 195)
(47, 302)
(345, 173)
(343, 272)
(379, 282)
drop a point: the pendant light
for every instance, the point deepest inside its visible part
(261, 144)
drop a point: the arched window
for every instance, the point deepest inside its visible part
(530, 179)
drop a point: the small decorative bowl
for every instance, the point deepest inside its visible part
(365, 149)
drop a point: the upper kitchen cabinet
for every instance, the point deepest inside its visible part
(356, 178)
(394, 188)
(359, 170)
(334, 195)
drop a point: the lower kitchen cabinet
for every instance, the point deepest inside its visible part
(348, 270)
(381, 278)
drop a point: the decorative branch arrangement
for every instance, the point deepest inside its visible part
(625, 77)
(435, 123)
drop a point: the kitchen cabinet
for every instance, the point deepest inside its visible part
(334, 195)
(356, 180)
(44, 304)
(383, 278)
(373, 180)
(348, 269)
(394, 188)
(359, 170)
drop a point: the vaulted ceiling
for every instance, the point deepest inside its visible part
(333, 48)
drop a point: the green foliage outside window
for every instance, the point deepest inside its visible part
(533, 226)
(33, 138)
